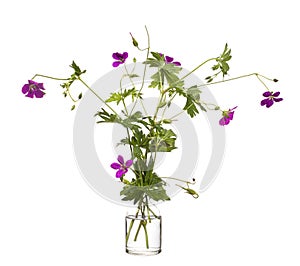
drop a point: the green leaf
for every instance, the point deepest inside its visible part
(115, 97)
(190, 107)
(77, 70)
(157, 192)
(106, 117)
(194, 92)
(137, 152)
(157, 56)
(164, 141)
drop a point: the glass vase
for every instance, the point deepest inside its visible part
(143, 234)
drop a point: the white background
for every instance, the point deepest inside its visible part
(249, 216)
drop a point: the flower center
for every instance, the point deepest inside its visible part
(32, 87)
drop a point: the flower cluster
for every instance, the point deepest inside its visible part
(149, 134)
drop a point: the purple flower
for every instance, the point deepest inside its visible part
(227, 117)
(170, 60)
(33, 89)
(270, 98)
(121, 58)
(121, 166)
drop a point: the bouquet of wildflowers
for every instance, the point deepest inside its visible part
(147, 135)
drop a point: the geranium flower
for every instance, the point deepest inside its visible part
(271, 98)
(33, 89)
(169, 60)
(121, 166)
(227, 117)
(121, 58)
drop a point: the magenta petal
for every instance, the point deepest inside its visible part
(269, 103)
(116, 56)
(177, 63)
(39, 94)
(115, 166)
(119, 173)
(125, 55)
(116, 64)
(25, 88)
(278, 99)
(267, 94)
(41, 86)
(30, 82)
(30, 94)
(276, 94)
(120, 159)
(264, 102)
(223, 121)
(128, 163)
(169, 59)
(230, 115)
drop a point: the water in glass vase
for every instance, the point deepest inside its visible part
(143, 234)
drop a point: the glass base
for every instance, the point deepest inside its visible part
(149, 252)
(143, 234)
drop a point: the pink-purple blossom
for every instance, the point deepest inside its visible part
(271, 97)
(170, 60)
(121, 166)
(227, 116)
(121, 58)
(33, 89)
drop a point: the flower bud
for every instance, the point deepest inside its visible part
(134, 41)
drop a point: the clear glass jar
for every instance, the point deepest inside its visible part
(143, 233)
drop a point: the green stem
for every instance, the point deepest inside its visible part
(196, 68)
(131, 224)
(103, 101)
(146, 233)
(48, 77)
(154, 214)
(62, 79)
(177, 179)
(239, 77)
(138, 230)
(144, 74)
(131, 81)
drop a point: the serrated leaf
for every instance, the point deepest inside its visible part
(190, 107)
(115, 97)
(157, 56)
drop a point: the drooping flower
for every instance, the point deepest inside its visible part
(121, 166)
(271, 97)
(170, 60)
(33, 89)
(121, 58)
(227, 117)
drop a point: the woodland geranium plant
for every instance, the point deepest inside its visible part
(147, 135)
